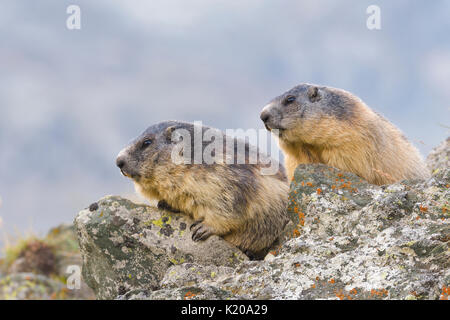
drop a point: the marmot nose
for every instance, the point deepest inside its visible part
(120, 162)
(264, 116)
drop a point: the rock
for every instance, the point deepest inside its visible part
(439, 157)
(36, 256)
(126, 246)
(30, 286)
(349, 240)
(38, 268)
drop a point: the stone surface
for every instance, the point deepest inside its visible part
(439, 157)
(368, 242)
(39, 268)
(126, 246)
(30, 286)
(348, 240)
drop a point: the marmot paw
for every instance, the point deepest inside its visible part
(200, 231)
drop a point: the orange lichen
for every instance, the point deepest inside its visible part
(301, 218)
(296, 233)
(319, 191)
(445, 293)
(379, 293)
(276, 251)
(331, 281)
(339, 294)
(313, 286)
(309, 184)
(423, 209)
(353, 291)
(189, 295)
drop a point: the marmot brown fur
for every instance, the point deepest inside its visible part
(320, 124)
(229, 199)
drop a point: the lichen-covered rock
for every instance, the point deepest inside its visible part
(126, 246)
(439, 158)
(352, 240)
(30, 286)
(39, 267)
(348, 240)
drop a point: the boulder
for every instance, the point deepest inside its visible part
(127, 246)
(31, 286)
(40, 268)
(439, 157)
(353, 241)
(349, 240)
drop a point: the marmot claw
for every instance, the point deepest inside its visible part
(200, 231)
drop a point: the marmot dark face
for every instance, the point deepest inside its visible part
(141, 157)
(305, 105)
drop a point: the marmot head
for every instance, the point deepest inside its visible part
(302, 109)
(148, 151)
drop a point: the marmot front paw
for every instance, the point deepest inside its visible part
(200, 231)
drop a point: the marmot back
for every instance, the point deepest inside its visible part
(226, 197)
(318, 124)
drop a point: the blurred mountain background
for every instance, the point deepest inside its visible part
(71, 99)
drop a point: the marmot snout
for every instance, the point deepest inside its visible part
(319, 124)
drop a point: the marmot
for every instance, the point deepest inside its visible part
(227, 198)
(319, 124)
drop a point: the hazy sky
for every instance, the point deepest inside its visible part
(71, 99)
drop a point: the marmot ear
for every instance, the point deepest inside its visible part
(313, 94)
(168, 133)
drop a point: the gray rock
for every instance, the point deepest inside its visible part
(30, 286)
(126, 246)
(44, 268)
(348, 240)
(353, 241)
(439, 157)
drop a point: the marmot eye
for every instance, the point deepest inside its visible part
(146, 143)
(289, 99)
